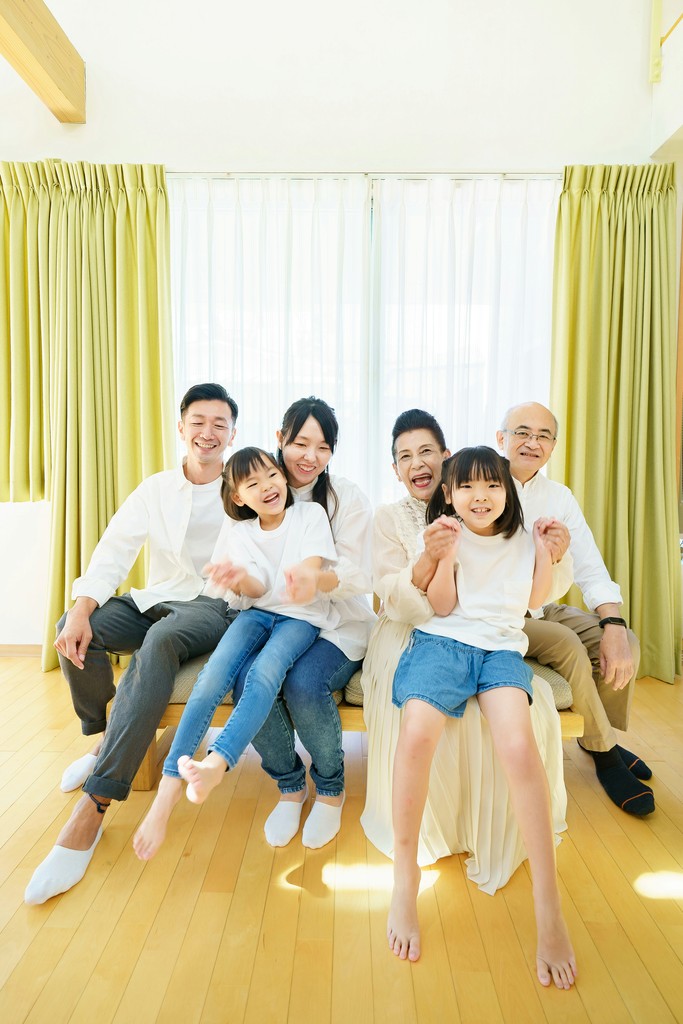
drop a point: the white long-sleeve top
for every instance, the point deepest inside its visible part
(267, 554)
(159, 510)
(542, 497)
(352, 532)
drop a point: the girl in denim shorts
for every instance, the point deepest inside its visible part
(474, 645)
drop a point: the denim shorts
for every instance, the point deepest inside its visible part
(445, 673)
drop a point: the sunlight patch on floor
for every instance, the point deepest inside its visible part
(660, 885)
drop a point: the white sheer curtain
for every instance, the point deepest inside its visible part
(376, 293)
(462, 300)
(269, 284)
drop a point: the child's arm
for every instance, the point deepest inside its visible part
(303, 580)
(228, 576)
(543, 567)
(442, 593)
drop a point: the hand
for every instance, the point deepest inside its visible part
(616, 660)
(302, 583)
(225, 575)
(74, 639)
(548, 537)
(442, 538)
(558, 537)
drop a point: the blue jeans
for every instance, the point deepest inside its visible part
(306, 704)
(272, 643)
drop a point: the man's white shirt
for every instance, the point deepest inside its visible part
(541, 497)
(158, 510)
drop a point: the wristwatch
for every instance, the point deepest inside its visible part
(612, 620)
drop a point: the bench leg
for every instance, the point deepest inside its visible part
(148, 772)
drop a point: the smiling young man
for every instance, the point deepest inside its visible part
(179, 513)
(595, 651)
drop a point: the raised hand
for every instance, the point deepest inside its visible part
(301, 583)
(442, 538)
(225, 575)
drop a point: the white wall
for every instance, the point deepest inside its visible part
(24, 539)
(363, 85)
(368, 85)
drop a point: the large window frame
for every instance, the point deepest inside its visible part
(434, 307)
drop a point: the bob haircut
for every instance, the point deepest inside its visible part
(292, 422)
(416, 419)
(236, 470)
(480, 463)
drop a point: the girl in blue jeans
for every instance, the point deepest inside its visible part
(275, 552)
(474, 644)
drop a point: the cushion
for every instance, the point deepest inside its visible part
(353, 692)
(558, 684)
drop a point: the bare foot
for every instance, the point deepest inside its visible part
(82, 827)
(201, 776)
(152, 831)
(403, 929)
(555, 960)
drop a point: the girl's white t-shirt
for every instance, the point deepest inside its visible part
(493, 579)
(303, 533)
(203, 522)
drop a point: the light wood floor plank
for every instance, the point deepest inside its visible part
(219, 927)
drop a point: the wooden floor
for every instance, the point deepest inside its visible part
(221, 928)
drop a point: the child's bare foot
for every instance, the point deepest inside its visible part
(152, 831)
(403, 930)
(201, 776)
(555, 960)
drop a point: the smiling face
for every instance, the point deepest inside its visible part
(264, 491)
(306, 454)
(479, 503)
(418, 462)
(528, 454)
(207, 430)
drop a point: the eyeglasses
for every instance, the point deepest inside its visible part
(526, 435)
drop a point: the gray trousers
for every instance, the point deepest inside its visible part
(568, 640)
(160, 640)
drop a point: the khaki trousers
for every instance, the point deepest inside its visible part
(568, 640)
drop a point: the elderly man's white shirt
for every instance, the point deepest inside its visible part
(158, 510)
(541, 497)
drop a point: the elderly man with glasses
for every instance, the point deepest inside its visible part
(595, 651)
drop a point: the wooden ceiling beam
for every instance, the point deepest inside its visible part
(35, 45)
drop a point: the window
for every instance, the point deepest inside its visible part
(376, 293)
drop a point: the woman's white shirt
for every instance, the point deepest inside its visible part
(352, 532)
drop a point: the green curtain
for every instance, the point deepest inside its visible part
(614, 386)
(86, 378)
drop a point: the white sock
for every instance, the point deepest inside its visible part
(60, 871)
(322, 824)
(282, 824)
(78, 771)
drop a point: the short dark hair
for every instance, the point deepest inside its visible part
(416, 419)
(238, 467)
(207, 393)
(480, 463)
(293, 420)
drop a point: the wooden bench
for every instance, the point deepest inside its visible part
(351, 718)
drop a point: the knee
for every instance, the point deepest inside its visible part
(517, 750)
(299, 686)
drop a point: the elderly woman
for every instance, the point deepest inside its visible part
(468, 807)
